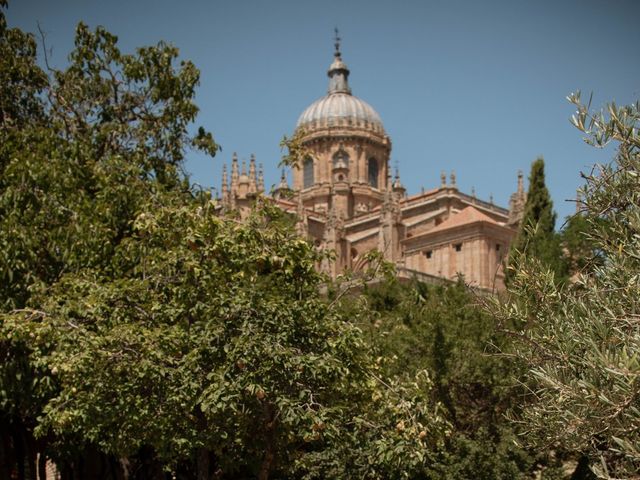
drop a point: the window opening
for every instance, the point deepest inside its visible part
(307, 174)
(373, 172)
(341, 159)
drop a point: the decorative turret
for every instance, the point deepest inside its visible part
(243, 182)
(233, 193)
(260, 179)
(225, 186)
(243, 174)
(520, 183)
(239, 193)
(397, 186)
(517, 203)
(390, 218)
(234, 173)
(253, 181)
(282, 190)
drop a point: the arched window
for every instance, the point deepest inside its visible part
(307, 172)
(373, 172)
(340, 159)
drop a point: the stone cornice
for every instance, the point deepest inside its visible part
(452, 193)
(346, 133)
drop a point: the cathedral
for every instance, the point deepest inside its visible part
(345, 199)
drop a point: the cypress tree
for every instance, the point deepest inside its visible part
(536, 236)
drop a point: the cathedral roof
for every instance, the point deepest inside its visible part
(466, 216)
(339, 107)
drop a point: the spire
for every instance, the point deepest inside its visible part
(253, 186)
(338, 71)
(243, 172)
(388, 197)
(389, 219)
(282, 190)
(517, 202)
(225, 183)
(520, 183)
(443, 179)
(234, 173)
(283, 181)
(260, 179)
(397, 184)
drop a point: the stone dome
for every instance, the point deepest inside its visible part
(339, 108)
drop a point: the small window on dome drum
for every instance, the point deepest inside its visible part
(307, 173)
(340, 159)
(373, 172)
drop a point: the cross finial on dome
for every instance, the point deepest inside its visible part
(338, 71)
(337, 40)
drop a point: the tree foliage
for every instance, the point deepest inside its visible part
(76, 169)
(444, 331)
(82, 149)
(536, 234)
(581, 253)
(215, 338)
(582, 343)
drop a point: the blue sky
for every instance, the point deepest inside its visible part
(473, 86)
